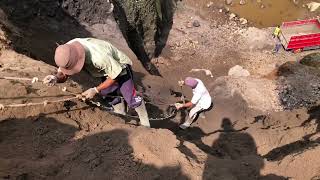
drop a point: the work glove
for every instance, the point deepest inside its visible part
(90, 93)
(178, 105)
(50, 80)
(181, 83)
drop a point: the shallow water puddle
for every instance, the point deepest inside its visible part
(265, 13)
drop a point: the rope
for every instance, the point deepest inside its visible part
(44, 103)
(33, 80)
(64, 89)
(98, 104)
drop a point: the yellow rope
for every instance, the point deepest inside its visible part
(44, 103)
(33, 80)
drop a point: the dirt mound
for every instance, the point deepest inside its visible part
(298, 85)
(68, 140)
(258, 93)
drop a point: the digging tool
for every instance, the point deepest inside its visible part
(182, 95)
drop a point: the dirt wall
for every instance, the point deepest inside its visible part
(145, 24)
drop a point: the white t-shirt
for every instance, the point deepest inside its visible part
(201, 96)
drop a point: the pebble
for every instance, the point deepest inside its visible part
(243, 21)
(34, 80)
(209, 4)
(90, 158)
(228, 2)
(231, 16)
(1, 106)
(196, 23)
(243, 2)
(296, 2)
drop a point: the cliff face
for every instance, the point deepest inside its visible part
(145, 25)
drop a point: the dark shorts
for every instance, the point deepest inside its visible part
(124, 85)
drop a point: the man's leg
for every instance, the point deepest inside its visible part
(202, 115)
(192, 116)
(134, 101)
(120, 108)
(143, 114)
(117, 104)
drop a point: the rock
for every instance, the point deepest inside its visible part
(296, 2)
(220, 10)
(90, 158)
(259, 1)
(177, 58)
(243, 21)
(209, 4)
(196, 23)
(238, 71)
(312, 60)
(258, 39)
(206, 71)
(313, 6)
(228, 2)
(231, 16)
(243, 2)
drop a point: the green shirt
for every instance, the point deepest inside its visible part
(102, 58)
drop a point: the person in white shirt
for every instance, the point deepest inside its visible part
(201, 100)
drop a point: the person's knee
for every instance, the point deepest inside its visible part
(193, 114)
(135, 102)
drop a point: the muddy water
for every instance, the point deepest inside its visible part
(273, 12)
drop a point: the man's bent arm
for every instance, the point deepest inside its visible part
(188, 105)
(107, 83)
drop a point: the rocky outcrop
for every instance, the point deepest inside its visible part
(145, 24)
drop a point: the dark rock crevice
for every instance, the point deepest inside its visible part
(145, 25)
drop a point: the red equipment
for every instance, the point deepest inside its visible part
(300, 35)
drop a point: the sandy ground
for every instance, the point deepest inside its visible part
(248, 134)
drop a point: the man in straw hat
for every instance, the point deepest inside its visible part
(101, 60)
(201, 100)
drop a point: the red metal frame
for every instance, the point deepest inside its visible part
(301, 22)
(309, 41)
